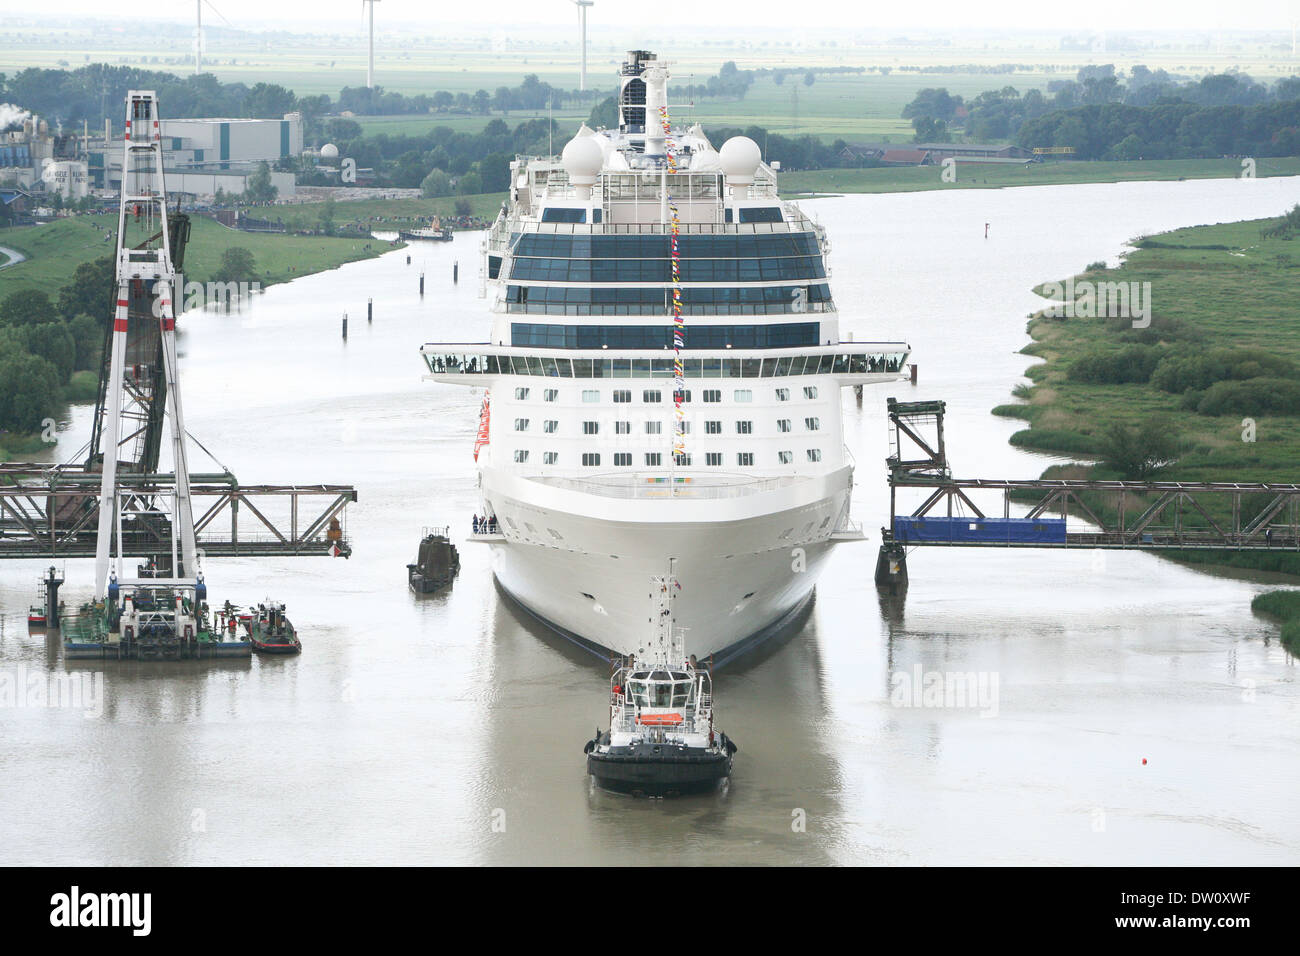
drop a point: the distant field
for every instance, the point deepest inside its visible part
(913, 178)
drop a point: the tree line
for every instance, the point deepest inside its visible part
(1152, 114)
(43, 341)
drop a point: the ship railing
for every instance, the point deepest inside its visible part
(794, 224)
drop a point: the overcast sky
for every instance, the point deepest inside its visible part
(806, 14)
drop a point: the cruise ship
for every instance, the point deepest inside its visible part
(663, 380)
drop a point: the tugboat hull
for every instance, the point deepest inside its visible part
(659, 770)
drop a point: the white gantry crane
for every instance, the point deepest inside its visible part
(143, 261)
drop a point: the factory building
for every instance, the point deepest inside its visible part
(202, 155)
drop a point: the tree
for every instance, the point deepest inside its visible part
(809, 78)
(463, 207)
(258, 187)
(29, 392)
(326, 218)
(88, 334)
(237, 265)
(469, 184)
(1138, 451)
(437, 183)
(53, 342)
(91, 291)
(604, 113)
(26, 308)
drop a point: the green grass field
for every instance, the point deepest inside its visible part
(55, 250)
(1223, 286)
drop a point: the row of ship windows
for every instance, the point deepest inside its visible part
(657, 308)
(782, 335)
(660, 270)
(771, 295)
(651, 396)
(743, 427)
(660, 247)
(654, 459)
(462, 363)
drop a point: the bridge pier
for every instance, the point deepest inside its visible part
(891, 566)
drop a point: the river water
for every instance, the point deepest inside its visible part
(1142, 714)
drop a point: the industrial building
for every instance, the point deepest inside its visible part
(203, 155)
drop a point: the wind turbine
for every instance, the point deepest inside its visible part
(582, 6)
(198, 32)
(370, 64)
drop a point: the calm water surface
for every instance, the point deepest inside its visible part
(410, 725)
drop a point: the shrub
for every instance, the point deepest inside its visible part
(1137, 451)
(1256, 396)
(1133, 363)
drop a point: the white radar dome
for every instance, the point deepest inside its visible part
(582, 158)
(739, 158)
(329, 151)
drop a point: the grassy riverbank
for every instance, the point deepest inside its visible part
(1214, 380)
(889, 179)
(1282, 606)
(54, 251)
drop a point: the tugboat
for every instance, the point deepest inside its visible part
(661, 740)
(435, 232)
(271, 631)
(436, 563)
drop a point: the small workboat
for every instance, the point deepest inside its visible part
(436, 563)
(661, 740)
(271, 631)
(435, 232)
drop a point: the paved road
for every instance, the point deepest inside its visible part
(14, 255)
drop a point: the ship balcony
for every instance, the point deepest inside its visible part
(851, 363)
(642, 487)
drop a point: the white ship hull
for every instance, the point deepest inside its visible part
(585, 565)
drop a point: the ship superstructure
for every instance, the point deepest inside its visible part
(664, 379)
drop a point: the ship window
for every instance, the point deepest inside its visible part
(653, 459)
(550, 425)
(521, 394)
(622, 395)
(622, 428)
(785, 457)
(521, 424)
(814, 454)
(743, 395)
(761, 214)
(654, 428)
(521, 455)
(622, 459)
(745, 459)
(554, 534)
(713, 395)
(550, 395)
(744, 428)
(683, 397)
(713, 458)
(783, 424)
(589, 395)
(810, 391)
(652, 395)
(825, 522)
(590, 458)
(812, 424)
(686, 427)
(783, 395)
(510, 521)
(549, 457)
(591, 428)
(713, 428)
(554, 214)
